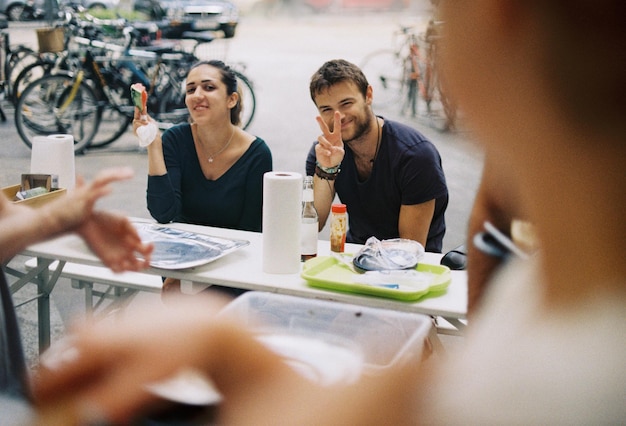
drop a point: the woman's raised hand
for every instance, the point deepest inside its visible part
(145, 128)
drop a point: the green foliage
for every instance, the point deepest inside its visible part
(132, 15)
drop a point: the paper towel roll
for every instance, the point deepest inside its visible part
(282, 210)
(54, 155)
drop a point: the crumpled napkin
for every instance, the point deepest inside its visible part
(396, 253)
(147, 133)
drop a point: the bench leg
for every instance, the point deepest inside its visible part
(88, 287)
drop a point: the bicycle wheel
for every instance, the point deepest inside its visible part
(171, 104)
(248, 99)
(57, 104)
(27, 75)
(440, 110)
(384, 71)
(116, 113)
(19, 58)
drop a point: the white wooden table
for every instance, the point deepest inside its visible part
(240, 269)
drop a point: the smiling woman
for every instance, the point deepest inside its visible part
(209, 171)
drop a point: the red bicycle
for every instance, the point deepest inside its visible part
(408, 73)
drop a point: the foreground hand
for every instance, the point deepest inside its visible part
(112, 237)
(102, 378)
(329, 151)
(116, 242)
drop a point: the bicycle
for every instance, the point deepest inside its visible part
(47, 105)
(74, 25)
(162, 70)
(409, 73)
(12, 60)
(441, 109)
(174, 108)
(88, 32)
(52, 60)
(77, 102)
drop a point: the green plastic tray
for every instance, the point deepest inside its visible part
(330, 273)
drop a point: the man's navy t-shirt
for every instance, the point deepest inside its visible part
(407, 171)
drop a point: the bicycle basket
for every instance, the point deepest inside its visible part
(50, 39)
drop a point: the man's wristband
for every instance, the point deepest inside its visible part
(319, 172)
(330, 170)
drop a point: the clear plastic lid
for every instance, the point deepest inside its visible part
(397, 253)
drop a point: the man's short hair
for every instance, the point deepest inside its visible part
(337, 71)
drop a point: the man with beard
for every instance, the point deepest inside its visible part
(388, 174)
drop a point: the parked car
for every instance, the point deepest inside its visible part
(194, 15)
(102, 4)
(22, 10)
(322, 5)
(92, 4)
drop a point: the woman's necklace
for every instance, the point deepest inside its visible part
(378, 139)
(212, 156)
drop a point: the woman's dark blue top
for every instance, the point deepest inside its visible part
(184, 194)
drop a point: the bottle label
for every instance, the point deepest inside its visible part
(308, 245)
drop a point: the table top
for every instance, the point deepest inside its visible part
(243, 269)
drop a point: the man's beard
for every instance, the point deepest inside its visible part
(362, 128)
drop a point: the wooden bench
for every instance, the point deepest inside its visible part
(120, 288)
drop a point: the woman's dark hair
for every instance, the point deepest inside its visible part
(337, 71)
(229, 78)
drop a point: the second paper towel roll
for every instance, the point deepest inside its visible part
(54, 155)
(282, 210)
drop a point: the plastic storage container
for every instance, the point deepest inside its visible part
(384, 337)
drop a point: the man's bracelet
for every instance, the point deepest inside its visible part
(331, 170)
(325, 175)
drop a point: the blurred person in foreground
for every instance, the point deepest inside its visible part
(496, 201)
(549, 343)
(387, 174)
(110, 236)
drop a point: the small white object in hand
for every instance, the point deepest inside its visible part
(147, 134)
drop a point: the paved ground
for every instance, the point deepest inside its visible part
(280, 55)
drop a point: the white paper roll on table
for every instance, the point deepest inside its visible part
(282, 211)
(54, 155)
